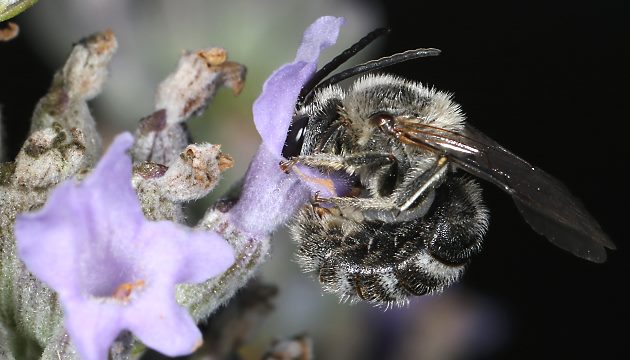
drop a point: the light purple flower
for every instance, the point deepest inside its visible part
(273, 110)
(269, 196)
(113, 269)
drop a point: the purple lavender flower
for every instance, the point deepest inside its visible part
(269, 195)
(113, 269)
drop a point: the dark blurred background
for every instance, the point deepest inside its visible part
(548, 80)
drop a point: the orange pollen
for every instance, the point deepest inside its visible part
(327, 183)
(123, 291)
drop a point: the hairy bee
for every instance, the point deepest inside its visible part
(415, 220)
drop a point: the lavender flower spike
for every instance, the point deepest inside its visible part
(269, 196)
(113, 269)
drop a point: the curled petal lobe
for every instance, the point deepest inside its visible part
(318, 36)
(270, 196)
(274, 107)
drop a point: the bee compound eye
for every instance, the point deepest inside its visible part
(295, 137)
(384, 121)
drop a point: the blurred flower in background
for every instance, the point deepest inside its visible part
(152, 34)
(261, 35)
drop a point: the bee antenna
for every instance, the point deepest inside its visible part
(340, 59)
(374, 65)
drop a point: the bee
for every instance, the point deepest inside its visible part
(416, 216)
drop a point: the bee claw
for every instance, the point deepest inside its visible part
(285, 166)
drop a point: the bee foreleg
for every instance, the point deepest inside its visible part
(348, 163)
(411, 198)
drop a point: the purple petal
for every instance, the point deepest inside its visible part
(112, 179)
(53, 238)
(274, 107)
(45, 240)
(92, 326)
(111, 267)
(163, 325)
(320, 35)
(182, 255)
(269, 196)
(117, 161)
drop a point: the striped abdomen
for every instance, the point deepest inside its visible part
(383, 262)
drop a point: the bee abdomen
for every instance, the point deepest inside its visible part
(383, 262)
(346, 274)
(384, 281)
(461, 221)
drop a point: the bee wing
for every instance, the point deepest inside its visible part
(545, 203)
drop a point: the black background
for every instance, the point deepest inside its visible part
(546, 80)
